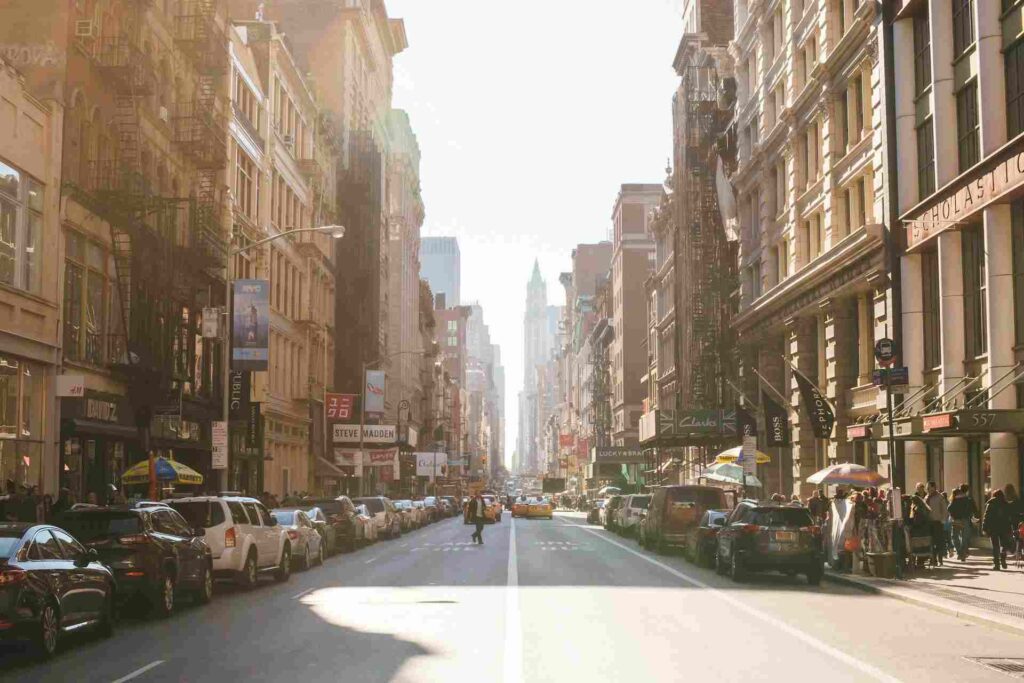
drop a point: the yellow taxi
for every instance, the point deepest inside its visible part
(540, 507)
(520, 507)
(492, 513)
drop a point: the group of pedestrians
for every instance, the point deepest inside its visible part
(949, 518)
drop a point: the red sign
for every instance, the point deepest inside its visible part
(566, 440)
(857, 432)
(583, 448)
(940, 421)
(387, 455)
(340, 406)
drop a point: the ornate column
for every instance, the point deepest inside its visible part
(802, 340)
(915, 458)
(841, 369)
(991, 79)
(940, 20)
(951, 292)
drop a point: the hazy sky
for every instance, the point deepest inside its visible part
(529, 115)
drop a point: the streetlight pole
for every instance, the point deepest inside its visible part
(337, 232)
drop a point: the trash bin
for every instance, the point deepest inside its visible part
(882, 565)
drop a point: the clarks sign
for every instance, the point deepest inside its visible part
(1000, 175)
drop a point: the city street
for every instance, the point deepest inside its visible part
(540, 601)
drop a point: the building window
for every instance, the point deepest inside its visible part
(925, 159)
(22, 398)
(453, 325)
(85, 300)
(922, 54)
(21, 229)
(453, 341)
(975, 291)
(1014, 57)
(780, 187)
(963, 26)
(967, 127)
(246, 185)
(931, 310)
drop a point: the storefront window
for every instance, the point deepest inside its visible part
(21, 421)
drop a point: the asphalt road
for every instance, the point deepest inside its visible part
(539, 601)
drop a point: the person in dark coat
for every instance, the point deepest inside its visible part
(1016, 509)
(476, 516)
(962, 510)
(996, 523)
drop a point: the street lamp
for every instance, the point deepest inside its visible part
(335, 231)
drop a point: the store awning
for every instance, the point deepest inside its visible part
(324, 469)
(83, 426)
(933, 426)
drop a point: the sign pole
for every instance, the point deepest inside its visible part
(362, 423)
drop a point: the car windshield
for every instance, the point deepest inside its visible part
(641, 502)
(330, 507)
(285, 517)
(705, 497)
(782, 517)
(201, 514)
(87, 526)
(374, 505)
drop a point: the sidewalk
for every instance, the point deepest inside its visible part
(970, 590)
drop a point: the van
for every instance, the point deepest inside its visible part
(675, 511)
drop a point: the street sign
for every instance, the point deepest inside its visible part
(898, 376)
(219, 439)
(885, 351)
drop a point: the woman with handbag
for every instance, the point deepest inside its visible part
(996, 524)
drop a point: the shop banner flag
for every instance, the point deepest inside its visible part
(238, 398)
(373, 389)
(817, 407)
(776, 422)
(250, 325)
(746, 424)
(341, 407)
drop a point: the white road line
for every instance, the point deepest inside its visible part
(806, 638)
(370, 560)
(305, 592)
(139, 672)
(513, 620)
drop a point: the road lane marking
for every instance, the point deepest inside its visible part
(808, 639)
(513, 621)
(370, 560)
(140, 671)
(305, 592)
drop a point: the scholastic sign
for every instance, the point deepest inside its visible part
(347, 433)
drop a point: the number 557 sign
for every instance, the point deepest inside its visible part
(340, 406)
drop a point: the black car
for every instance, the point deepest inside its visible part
(769, 537)
(341, 515)
(610, 507)
(154, 552)
(50, 584)
(701, 541)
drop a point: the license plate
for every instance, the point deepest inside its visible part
(785, 536)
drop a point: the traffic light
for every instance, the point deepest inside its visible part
(483, 460)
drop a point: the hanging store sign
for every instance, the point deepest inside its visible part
(341, 407)
(616, 454)
(688, 424)
(103, 411)
(431, 464)
(940, 421)
(346, 433)
(254, 427)
(250, 327)
(71, 386)
(238, 396)
(211, 322)
(373, 389)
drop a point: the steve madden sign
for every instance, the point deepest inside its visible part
(994, 179)
(346, 433)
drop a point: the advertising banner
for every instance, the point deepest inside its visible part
(431, 464)
(384, 462)
(341, 407)
(776, 422)
(250, 325)
(374, 391)
(346, 433)
(817, 407)
(254, 427)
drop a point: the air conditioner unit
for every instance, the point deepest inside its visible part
(164, 115)
(84, 28)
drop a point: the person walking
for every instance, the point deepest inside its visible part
(476, 516)
(938, 513)
(996, 523)
(963, 511)
(818, 507)
(1015, 507)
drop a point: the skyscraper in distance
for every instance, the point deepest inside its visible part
(441, 266)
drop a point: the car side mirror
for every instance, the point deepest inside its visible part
(273, 521)
(83, 559)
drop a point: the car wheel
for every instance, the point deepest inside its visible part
(284, 568)
(719, 563)
(163, 602)
(247, 577)
(735, 568)
(307, 559)
(814, 575)
(49, 631)
(204, 593)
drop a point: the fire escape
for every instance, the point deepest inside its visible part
(706, 270)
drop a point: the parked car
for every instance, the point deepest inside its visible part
(630, 512)
(422, 512)
(340, 513)
(384, 515)
(328, 535)
(430, 503)
(409, 514)
(366, 527)
(769, 537)
(243, 536)
(608, 512)
(51, 584)
(594, 513)
(702, 540)
(675, 510)
(454, 506)
(307, 545)
(154, 552)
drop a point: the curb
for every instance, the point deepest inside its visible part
(978, 616)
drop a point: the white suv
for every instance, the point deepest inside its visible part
(243, 536)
